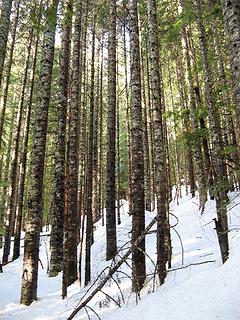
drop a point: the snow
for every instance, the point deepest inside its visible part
(197, 287)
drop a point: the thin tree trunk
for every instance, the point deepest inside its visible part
(111, 153)
(89, 224)
(128, 122)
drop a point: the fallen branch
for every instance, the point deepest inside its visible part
(190, 264)
(112, 270)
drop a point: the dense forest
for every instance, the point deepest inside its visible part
(108, 100)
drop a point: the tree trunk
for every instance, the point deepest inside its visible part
(89, 225)
(220, 179)
(35, 200)
(111, 153)
(57, 217)
(138, 201)
(71, 184)
(158, 144)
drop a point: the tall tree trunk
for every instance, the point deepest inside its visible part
(111, 153)
(57, 217)
(71, 210)
(89, 225)
(220, 179)
(158, 143)
(138, 201)
(4, 29)
(96, 215)
(127, 121)
(34, 220)
(147, 163)
(82, 131)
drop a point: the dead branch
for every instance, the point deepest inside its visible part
(93, 312)
(190, 264)
(119, 288)
(111, 298)
(112, 270)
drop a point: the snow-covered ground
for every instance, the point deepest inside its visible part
(203, 289)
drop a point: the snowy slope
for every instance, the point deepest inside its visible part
(199, 291)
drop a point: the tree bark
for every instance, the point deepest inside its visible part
(138, 199)
(89, 225)
(35, 200)
(111, 153)
(220, 179)
(159, 144)
(57, 217)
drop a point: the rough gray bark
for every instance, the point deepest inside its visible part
(57, 217)
(138, 199)
(111, 153)
(158, 144)
(34, 220)
(231, 18)
(4, 29)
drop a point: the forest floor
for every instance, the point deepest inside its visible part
(197, 287)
